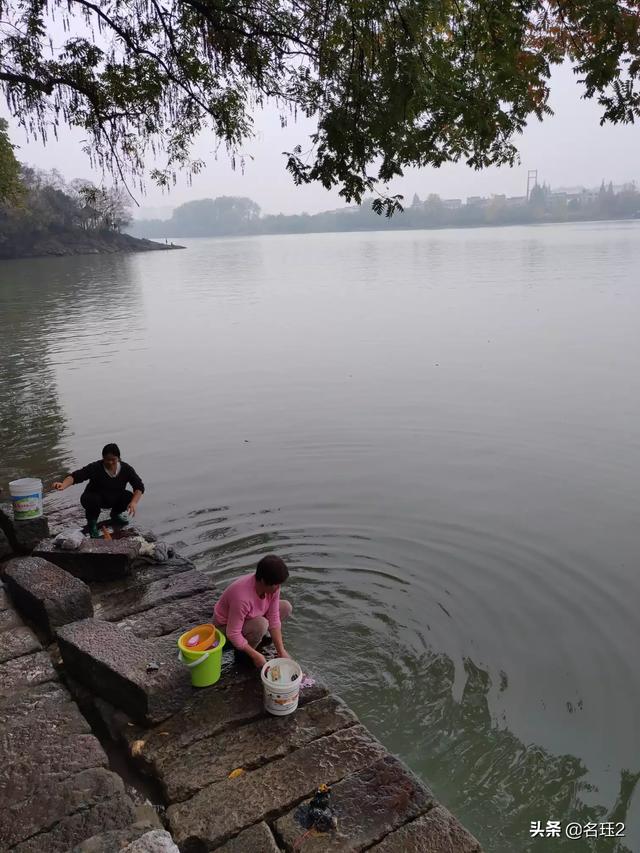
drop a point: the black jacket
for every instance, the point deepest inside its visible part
(102, 483)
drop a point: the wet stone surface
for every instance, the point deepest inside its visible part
(114, 839)
(211, 760)
(40, 702)
(115, 813)
(438, 831)
(52, 801)
(156, 841)
(368, 805)
(257, 839)
(158, 592)
(45, 593)
(97, 559)
(106, 659)
(25, 672)
(21, 536)
(265, 793)
(143, 572)
(210, 712)
(177, 616)
(17, 642)
(5, 602)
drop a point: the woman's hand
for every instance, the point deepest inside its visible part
(131, 509)
(59, 487)
(258, 659)
(284, 654)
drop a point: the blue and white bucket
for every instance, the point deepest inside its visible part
(26, 497)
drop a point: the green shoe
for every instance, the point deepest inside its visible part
(121, 518)
(94, 533)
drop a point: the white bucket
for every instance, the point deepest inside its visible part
(26, 497)
(280, 691)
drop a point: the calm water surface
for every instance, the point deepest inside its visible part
(438, 431)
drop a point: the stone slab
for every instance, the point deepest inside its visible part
(143, 572)
(156, 841)
(9, 619)
(159, 592)
(438, 831)
(5, 601)
(177, 616)
(96, 559)
(368, 805)
(5, 546)
(40, 703)
(51, 802)
(208, 713)
(268, 792)
(115, 839)
(256, 839)
(18, 642)
(116, 813)
(104, 658)
(25, 672)
(249, 746)
(47, 594)
(29, 533)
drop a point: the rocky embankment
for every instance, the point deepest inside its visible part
(90, 683)
(77, 242)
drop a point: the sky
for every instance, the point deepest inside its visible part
(568, 149)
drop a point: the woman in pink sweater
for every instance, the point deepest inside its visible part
(251, 606)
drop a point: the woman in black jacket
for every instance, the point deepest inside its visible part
(107, 488)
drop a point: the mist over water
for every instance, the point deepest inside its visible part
(437, 430)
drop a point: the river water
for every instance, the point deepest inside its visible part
(439, 431)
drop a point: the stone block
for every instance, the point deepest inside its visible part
(368, 805)
(50, 802)
(5, 601)
(271, 790)
(210, 712)
(159, 592)
(122, 669)
(249, 746)
(143, 572)
(9, 619)
(156, 841)
(438, 831)
(29, 533)
(18, 642)
(25, 672)
(96, 559)
(38, 703)
(256, 839)
(175, 617)
(115, 839)
(47, 594)
(116, 813)
(5, 546)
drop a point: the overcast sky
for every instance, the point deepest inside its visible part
(569, 148)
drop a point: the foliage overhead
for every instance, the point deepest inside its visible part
(391, 84)
(10, 186)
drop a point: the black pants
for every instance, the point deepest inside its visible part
(93, 502)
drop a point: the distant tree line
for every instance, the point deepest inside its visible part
(229, 216)
(35, 204)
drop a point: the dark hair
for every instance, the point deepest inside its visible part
(111, 450)
(272, 570)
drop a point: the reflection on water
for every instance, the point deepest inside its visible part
(437, 431)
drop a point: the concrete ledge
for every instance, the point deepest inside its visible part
(123, 669)
(47, 594)
(21, 536)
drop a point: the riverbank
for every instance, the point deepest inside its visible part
(226, 775)
(76, 241)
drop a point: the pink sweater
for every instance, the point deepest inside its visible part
(240, 602)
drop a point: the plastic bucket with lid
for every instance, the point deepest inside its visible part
(281, 679)
(205, 665)
(26, 497)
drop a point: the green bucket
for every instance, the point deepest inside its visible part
(204, 666)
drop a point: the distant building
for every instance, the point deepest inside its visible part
(452, 203)
(476, 201)
(516, 200)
